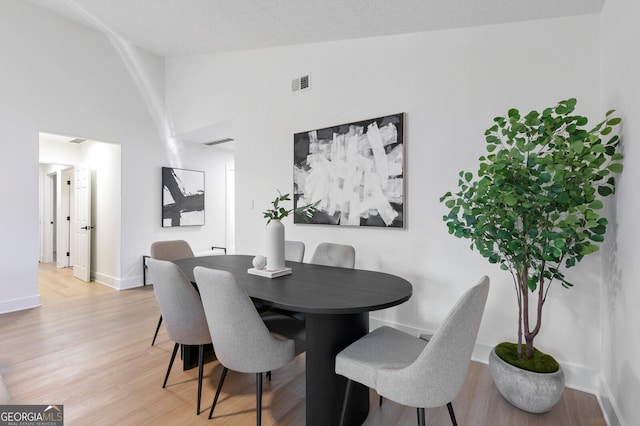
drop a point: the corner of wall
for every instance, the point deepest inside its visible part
(607, 403)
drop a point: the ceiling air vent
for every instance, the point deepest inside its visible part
(219, 141)
(300, 83)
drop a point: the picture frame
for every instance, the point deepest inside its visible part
(354, 170)
(182, 197)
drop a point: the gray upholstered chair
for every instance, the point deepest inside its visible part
(169, 250)
(413, 371)
(182, 310)
(330, 254)
(243, 342)
(293, 251)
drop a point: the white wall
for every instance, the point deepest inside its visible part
(620, 382)
(450, 84)
(64, 78)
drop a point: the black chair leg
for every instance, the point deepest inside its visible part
(345, 403)
(200, 371)
(380, 402)
(258, 399)
(269, 375)
(452, 414)
(173, 356)
(421, 419)
(156, 333)
(215, 398)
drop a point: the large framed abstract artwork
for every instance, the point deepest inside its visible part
(182, 197)
(354, 170)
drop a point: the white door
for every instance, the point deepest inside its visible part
(82, 222)
(63, 230)
(47, 219)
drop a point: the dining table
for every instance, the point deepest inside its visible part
(336, 303)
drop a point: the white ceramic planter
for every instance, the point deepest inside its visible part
(275, 245)
(529, 391)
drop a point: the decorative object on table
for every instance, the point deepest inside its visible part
(534, 208)
(356, 170)
(275, 229)
(259, 262)
(294, 251)
(275, 245)
(182, 197)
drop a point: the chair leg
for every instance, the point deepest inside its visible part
(452, 414)
(380, 401)
(345, 403)
(269, 375)
(258, 399)
(157, 329)
(173, 356)
(200, 371)
(421, 419)
(215, 398)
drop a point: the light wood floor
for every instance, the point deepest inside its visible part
(88, 347)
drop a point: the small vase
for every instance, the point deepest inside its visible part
(275, 245)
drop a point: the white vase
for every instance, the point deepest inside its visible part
(275, 245)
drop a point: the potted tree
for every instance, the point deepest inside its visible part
(534, 209)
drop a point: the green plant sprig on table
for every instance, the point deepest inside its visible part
(278, 212)
(534, 206)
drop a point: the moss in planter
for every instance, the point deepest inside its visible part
(540, 363)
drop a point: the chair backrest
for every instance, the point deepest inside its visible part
(436, 377)
(171, 250)
(180, 304)
(242, 341)
(330, 254)
(293, 251)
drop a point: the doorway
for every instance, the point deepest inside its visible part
(60, 200)
(55, 207)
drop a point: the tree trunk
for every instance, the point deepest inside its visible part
(524, 312)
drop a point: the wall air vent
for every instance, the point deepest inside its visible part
(301, 83)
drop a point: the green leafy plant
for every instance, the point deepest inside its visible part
(534, 205)
(278, 212)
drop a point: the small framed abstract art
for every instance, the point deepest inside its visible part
(354, 170)
(182, 197)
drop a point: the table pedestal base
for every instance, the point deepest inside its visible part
(326, 336)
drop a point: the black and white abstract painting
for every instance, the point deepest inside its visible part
(354, 170)
(182, 197)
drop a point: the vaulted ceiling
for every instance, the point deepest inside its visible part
(186, 27)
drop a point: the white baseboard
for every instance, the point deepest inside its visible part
(118, 284)
(607, 403)
(14, 305)
(576, 376)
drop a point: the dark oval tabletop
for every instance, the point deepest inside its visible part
(313, 289)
